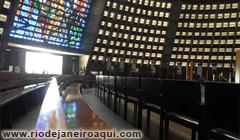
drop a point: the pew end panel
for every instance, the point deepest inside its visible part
(222, 106)
(180, 101)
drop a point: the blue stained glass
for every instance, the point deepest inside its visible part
(35, 17)
(26, 2)
(16, 18)
(21, 21)
(68, 4)
(38, 30)
(80, 35)
(28, 33)
(32, 22)
(82, 20)
(25, 19)
(29, 38)
(18, 25)
(35, 11)
(18, 36)
(51, 38)
(59, 40)
(24, 14)
(37, 35)
(64, 25)
(67, 14)
(30, 28)
(83, 25)
(25, 8)
(21, 32)
(26, 22)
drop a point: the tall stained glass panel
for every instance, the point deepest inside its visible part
(54, 22)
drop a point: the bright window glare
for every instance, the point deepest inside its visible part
(43, 63)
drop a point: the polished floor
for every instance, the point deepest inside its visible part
(116, 121)
(176, 132)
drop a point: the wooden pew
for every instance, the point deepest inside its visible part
(64, 80)
(222, 109)
(97, 84)
(111, 91)
(88, 81)
(180, 101)
(149, 98)
(105, 86)
(18, 92)
(66, 113)
(132, 94)
(101, 86)
(120, 90)
(220, 134)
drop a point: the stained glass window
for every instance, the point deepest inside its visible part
(55, 22)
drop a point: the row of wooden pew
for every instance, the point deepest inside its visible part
(218, 117)
(18, 92)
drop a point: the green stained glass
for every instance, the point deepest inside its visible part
(75, 33)
(45, 13)
(73, 38)
(35, 4)
(72, 43)
(52, 10)
(69, 109)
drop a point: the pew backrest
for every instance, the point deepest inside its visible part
(97, 80)
(150, 90)
(132, 86)
(222, 104)
(120, 84)
(181, 97)
(112, 83)
(105, 81)
(101, 80)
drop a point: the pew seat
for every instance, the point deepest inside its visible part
(181, 119)
(18, 94)
(154, 108)
(220, 134)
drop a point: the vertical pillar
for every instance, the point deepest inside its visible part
(186, 72)
(206, 75)
(191, 71)
(237, 72)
